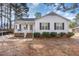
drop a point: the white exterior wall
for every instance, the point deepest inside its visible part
(52, 19)
(36, 26)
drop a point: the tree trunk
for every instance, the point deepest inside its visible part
(10, 19)
(1, 17)
(7, 16)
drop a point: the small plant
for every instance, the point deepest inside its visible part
(69, 34)
(53, 34)
(46, 34)
(37, 34)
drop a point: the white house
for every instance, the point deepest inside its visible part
(51, 22)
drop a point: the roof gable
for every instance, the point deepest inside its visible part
(53, 13)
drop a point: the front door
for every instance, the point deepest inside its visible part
(31, 27)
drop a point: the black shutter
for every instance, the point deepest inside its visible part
(63, 26)
(20, 27)
(54, 26)
(48, 26)
(40, 26)
(16, 26)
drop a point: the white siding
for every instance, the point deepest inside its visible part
(51, 19)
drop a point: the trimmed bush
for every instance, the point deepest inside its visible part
(61, 34)
(53, 34)
(69, 34)
(37, 34)
(46, 34)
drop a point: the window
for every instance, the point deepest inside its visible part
(19, 27)
(26, 26)
(31, 27)
(44, 26)
(58, 26)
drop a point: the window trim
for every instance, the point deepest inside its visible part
(44, 26)
(59, 27)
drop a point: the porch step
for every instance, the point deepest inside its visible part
(19, 34)
(29, 35)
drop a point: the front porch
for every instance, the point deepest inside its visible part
(24, 29)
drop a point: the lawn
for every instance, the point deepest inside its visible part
(37, 47)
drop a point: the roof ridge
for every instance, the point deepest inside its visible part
(52, 12)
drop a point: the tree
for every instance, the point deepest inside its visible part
(37, 14)
(64, 7)
(20, 9)
(1, 14)
(7, 10)
(77, 19)
(72, 24)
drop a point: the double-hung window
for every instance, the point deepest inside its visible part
(44, 26)
(58, 26)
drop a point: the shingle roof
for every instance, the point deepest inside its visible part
(28, 19)
(51, 13)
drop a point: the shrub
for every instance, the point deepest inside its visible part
(37, 34)
(53, 34)
(46, 34)
(69, 34)
(61, 34)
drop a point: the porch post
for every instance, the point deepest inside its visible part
(33, 33)
(25, 32)
(28, 28)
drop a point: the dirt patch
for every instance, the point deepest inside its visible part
(40, 47)
(37, 46)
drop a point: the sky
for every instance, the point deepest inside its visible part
(43, 9)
